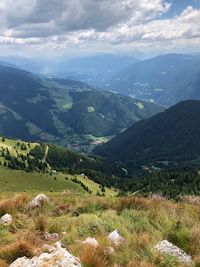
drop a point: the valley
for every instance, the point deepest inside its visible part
(65, 112)
(99, 133)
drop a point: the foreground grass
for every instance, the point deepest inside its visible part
(142, 222)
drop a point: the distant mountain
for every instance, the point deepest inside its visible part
(63, 111)
(165, 79)
(24, 63)
(96, 69)
(172, 135)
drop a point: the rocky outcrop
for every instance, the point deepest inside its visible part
(38, 201)
(6, 219)
(59, 257)
(168, 248)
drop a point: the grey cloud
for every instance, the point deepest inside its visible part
(36, 18)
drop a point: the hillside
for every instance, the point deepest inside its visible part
(63, 111)
(172, 135)
(32, 167)
(166, 79)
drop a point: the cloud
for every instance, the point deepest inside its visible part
(36, 18)
(66, 24)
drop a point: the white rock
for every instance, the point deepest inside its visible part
(115, 237)
(91, 241)
(168, 248)
(6, 219)
(38, 201)
(59, 257)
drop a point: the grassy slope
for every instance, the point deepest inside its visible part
(142, 222)
(18, 181)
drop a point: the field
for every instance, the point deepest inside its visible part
(141, 222)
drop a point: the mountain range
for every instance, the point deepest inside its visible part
(166, 79)
(63, 111)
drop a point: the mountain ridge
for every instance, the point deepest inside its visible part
(63, 111)
(166, 79)
(171, 135)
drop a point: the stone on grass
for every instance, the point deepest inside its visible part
(116, 238)
(91, 241)
(6, 219)
(59, 257)
(168, 248)
(38, 201)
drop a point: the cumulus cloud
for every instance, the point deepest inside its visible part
(32, 18)
(61, 24)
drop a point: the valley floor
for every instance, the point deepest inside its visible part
(142, 222)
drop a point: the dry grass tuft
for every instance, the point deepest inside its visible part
(3, 263)
(138, 203)
(16, 203)
(94, 257)
(10, 253)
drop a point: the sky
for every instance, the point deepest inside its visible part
(53, 27)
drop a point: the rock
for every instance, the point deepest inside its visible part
(91, 241)
(6, 219)
(168, 248)
(116, 238)
(59, 257)
(38, 201)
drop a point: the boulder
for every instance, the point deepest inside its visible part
(91, 241)
(6, 219)
(59, 257)
(116, 238)
(38, 201)
(168, 248)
